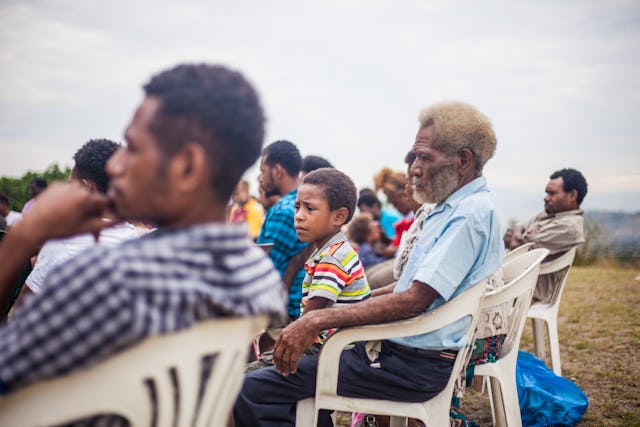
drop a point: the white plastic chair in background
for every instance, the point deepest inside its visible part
(434, 412)
(520, 275)
(508, 256)
(158, 382)
(542, 313)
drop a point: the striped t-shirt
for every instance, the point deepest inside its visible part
(336, 273)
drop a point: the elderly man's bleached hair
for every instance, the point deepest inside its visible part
(458, 125)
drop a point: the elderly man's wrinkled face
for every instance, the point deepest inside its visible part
(434, 174)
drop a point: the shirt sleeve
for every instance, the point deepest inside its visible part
(448, 261)
(82, 317)
(557, 235)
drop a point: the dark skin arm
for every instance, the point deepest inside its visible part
(295, 264)
(383, 290)
(62, 210)
(300, 334)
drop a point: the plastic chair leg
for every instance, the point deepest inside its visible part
(554, 347)
(538, 337)
(497, 405)
(305, 412)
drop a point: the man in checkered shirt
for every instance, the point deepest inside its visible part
(195, 133)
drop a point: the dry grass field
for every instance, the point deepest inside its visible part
(599, 328)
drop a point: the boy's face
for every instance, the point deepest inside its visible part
(314, 221)
(374, 232)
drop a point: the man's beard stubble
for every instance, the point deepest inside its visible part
(440, 186)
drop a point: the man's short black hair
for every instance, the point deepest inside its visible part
(311, 163)
(91, 161)
(572, 180)
(368, 198)
(4, 199)
(285, 154)
(215, 107)
(337, 188)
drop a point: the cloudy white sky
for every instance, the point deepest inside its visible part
(345, 79)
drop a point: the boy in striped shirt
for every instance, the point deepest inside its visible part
(334, 275)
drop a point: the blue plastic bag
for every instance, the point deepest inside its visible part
(545, 398)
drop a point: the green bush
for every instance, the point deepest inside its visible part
(17, 189)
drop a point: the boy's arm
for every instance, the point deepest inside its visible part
(315, 303)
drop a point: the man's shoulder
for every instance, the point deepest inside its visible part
(478, 205)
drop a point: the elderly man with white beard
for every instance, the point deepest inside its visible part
(460, 244)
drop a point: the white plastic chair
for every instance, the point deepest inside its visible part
(508, 256)
(542, 313)
(157, 382)
(521, 274)
(434, 412)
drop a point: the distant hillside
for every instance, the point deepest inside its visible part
(616, 233)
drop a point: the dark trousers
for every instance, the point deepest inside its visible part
(268, 399)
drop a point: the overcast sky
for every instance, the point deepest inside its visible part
(346, 79)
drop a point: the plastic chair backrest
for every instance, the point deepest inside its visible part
(434, 412)
(517, 251)
(562, 262)
(520, 275)
(188, 378)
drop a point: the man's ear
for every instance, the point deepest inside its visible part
(573, 196)
(89, 185)
(467, 160)
(190, 167)
(340, 216)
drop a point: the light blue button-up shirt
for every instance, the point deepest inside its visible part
(460, 245)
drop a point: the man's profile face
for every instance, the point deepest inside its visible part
(139, 185)
(434, 174)
(556, 199)
(266, 179)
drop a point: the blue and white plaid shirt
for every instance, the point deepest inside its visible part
(108, 299)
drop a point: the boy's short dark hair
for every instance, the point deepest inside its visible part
(337, 187)
(359, 228)
(91, 161)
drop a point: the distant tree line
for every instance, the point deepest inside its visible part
(17, 189)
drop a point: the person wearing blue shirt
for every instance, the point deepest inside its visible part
(279, 168)
(460, 245)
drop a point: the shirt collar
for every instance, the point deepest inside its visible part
(478, 184)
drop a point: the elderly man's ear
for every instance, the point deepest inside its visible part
(467, 161)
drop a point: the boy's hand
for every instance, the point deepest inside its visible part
(294, 339)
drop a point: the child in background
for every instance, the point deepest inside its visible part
(365, 232)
